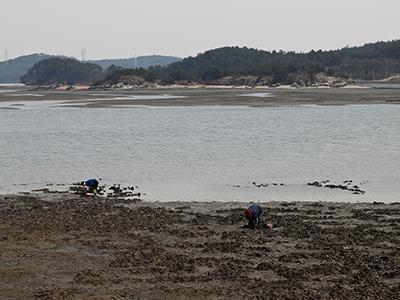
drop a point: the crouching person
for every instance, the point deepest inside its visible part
(253, 216)
(91, 185)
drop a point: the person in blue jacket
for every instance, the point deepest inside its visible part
(91, 185)
(253, 216)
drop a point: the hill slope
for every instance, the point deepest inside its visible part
(141, 61)
(228, 65)
(13, 69)
(369, 62)
(62, 70)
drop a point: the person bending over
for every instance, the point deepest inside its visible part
(253, 216)
(91, 185)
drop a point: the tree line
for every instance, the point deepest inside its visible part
(368, 62)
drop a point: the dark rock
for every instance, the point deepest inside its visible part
(315, 183)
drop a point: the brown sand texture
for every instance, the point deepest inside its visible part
(62, 246)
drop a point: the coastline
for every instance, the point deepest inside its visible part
(60, 245)
(166, 97)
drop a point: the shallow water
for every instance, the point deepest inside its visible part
(257, 95)
(204, 153)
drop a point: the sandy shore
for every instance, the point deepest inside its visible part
(211, 97)
(62, 246)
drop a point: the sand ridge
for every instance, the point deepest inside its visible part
(209, 97)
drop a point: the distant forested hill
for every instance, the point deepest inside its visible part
(13, 69)
(238, 66)
(369, 62)
(141, 61)
(62, 70)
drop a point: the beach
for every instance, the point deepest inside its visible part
(65, 246)
(182, 147)
(164, 150)
(162, 97)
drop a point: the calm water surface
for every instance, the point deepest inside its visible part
(204, 153)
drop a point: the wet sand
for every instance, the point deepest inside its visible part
(212, 97)
(62, 246)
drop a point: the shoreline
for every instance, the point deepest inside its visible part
(272, 97)
(65, 246)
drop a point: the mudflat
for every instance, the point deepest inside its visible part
(210, 97)
(64, 246)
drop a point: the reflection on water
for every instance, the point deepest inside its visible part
(205, 153)
(25, 95)
(30, 104)
(80, 102)
(135, 97)
(257, 95)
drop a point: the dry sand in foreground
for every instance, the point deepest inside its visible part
(61, 246)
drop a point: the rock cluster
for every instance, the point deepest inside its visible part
(266, 184)
(347, 185)
(115, 190)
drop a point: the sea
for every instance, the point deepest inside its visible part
(215, 153)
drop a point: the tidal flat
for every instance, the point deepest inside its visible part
(258, 97)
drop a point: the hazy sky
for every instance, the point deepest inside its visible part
(123, 28)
